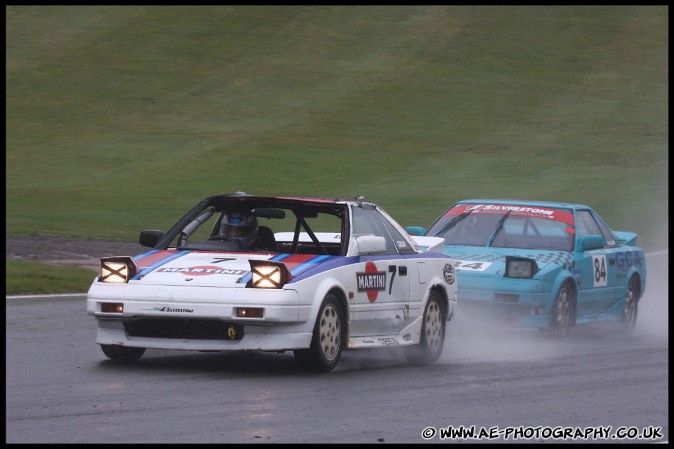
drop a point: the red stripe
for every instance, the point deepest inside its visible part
(561, 215)
(313, 199)
(297, 259)
(153, 258)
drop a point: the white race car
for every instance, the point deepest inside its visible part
(314, 276)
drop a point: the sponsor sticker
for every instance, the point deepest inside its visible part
(626, 260)
(371, 281)
(471, 265)
(515, 210)
(448, 273)
(201, 271)
(168, 309)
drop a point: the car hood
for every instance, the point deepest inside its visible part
(215, 269)
(477, 260)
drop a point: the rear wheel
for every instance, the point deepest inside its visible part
(631, 304)
(432, 338)
(326, 343)
(563, 312)
(122, 353)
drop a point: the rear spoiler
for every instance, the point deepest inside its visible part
(626, 238)
(429, 244)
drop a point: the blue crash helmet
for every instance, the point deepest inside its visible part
(239, 226)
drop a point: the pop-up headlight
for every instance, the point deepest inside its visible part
(268, 274)
(518, 267)
(117, 269)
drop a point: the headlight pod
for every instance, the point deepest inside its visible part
(268, 274)
(520, 268)
(117, 270)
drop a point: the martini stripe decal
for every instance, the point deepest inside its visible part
(160, 262)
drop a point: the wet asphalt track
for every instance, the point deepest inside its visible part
(60, 388)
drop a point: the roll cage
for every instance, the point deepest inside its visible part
(299, 210)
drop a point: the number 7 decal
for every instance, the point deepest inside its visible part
(391, 269)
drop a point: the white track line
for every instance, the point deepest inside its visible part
(657, 253)
(59, 295)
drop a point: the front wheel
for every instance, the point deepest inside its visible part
(563, 312)
(326, 342)
(631, 304)
(432, 339)
(122, 353)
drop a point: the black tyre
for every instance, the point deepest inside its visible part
(631, 304)
(432, 339)
(122, 353)
(563, 312)
(327, 341)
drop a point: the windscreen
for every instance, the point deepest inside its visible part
(259, 225)
(506, 226)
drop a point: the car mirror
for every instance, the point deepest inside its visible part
(590, 242)
(370, 244)
(415, 230)
(150, 238)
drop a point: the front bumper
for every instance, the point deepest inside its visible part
(504, 302)
(255, 338)
(200, 318)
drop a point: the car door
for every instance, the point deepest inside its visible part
(382, 303)
(619, 261)
(599, 275)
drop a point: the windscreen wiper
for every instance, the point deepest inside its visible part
(453, 222)
(499, 226)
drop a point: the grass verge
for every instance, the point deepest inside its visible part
(25, 277)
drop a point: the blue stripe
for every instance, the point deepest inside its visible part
(144, 255)
(159, 264)
(330, 262)
(245, 279)
(281, 258)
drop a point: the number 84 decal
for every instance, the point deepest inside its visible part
(599, 270)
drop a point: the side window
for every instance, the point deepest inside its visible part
(369, 222)
(398, 240)
(588, 224)
(606, 232)
(585, 224)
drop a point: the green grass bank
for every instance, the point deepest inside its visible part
(120, 118)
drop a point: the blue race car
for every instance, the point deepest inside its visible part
(540, 264)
